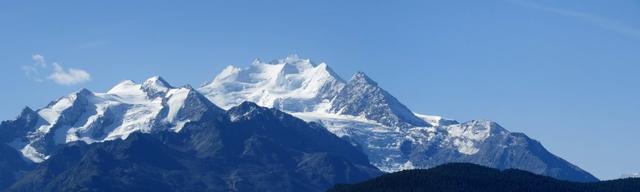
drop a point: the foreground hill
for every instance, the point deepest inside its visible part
(469, 177)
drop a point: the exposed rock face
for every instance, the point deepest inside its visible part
(362, 97)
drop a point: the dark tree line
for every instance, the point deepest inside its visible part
(470, 177)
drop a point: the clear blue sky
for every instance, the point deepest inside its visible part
(565, 73)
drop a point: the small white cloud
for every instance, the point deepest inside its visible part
(56, 72)
(33, 71)
(68, 77)
(39, 60)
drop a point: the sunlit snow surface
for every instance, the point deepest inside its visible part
(382, 144)
(93, 117)
(306, 90)
(291, 84)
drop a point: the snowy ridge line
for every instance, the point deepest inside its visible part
(151, 106)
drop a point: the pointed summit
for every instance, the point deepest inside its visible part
(362, 97)
(247, 105)
(157, 81)
(26, 111)
(28, 115)
(155, 86)
(361, 78)
(84, 92)
(122, 87)
(247, 110)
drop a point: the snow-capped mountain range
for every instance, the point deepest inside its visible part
(358, 110)
(128, 107)
(393, 136)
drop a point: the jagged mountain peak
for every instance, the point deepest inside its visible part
(362, 79)
(252, 111)
(156, 81)
(156, 86)
(247, 106)
(246, 110)
(483, 126)
(483, 123)
(151, 106)
(84, 92)
(126, 88)
(363, 97)
(324, 67)
(298, 85)
(27, 111)
(153, 87)
(290, 84)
